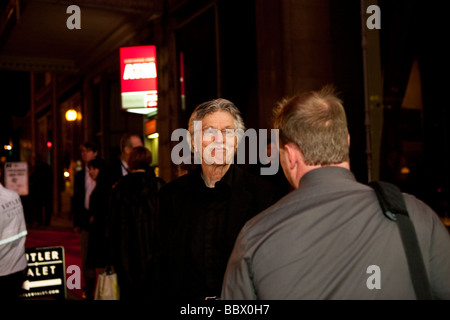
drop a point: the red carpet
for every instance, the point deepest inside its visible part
(66, 238)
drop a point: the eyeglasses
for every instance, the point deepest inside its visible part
(212, 132)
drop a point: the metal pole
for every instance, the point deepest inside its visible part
(373, 92)
(366, 92)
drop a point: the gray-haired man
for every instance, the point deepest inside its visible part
(202, 212)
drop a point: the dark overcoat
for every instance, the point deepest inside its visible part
(249, 196)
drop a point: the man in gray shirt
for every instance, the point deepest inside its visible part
(328, 239)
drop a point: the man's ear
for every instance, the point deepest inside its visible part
(292, 153)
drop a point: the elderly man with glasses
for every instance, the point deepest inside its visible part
(202, 212)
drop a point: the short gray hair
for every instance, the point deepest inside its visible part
(215, 105)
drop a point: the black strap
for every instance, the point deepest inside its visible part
(394, 207)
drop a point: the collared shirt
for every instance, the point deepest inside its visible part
(89, 184)
(12, 233)
(322, 239)
(124, 167)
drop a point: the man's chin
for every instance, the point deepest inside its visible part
(218, 161)
(219, 157)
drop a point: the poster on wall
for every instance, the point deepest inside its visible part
(16, 177)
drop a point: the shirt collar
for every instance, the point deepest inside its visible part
(228, 177)
(226, 180)
(327, 175)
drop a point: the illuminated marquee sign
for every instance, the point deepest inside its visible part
(138, 79)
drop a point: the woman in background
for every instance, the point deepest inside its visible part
(132, 226)
(98, 212)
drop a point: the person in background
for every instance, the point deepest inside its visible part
(184, 168)
(321, 240)
(201, 213)
(119, 167)
(83, 187)
(98, 211)
(161, 181)
(41, 193)
(131, 234)
(13, 232)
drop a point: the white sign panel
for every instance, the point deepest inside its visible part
(16, 177)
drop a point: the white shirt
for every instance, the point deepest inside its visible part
(124, 168)
(13, 231)
(89, 185)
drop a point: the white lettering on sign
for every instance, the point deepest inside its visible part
(139, 71)
(42, 256)
(41, 271)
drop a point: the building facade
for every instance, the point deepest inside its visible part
(253, 52)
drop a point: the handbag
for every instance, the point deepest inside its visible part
(107, 287)
(393, 205)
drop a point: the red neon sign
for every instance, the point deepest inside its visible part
(150, 127)
(138, 77)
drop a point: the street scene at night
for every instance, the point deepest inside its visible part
(197, 155)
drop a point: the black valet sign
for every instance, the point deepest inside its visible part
(45, 273)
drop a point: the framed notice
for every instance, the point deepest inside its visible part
(16, 177)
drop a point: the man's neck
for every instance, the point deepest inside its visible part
(306, 168)
(124, 158)
(213, 173)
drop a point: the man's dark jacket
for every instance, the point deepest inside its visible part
(249, 196)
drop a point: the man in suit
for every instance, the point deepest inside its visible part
(119, 168)
(202, 212)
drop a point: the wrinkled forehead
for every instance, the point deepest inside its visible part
(218, 119)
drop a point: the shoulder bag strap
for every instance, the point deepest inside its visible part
(394, 207)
